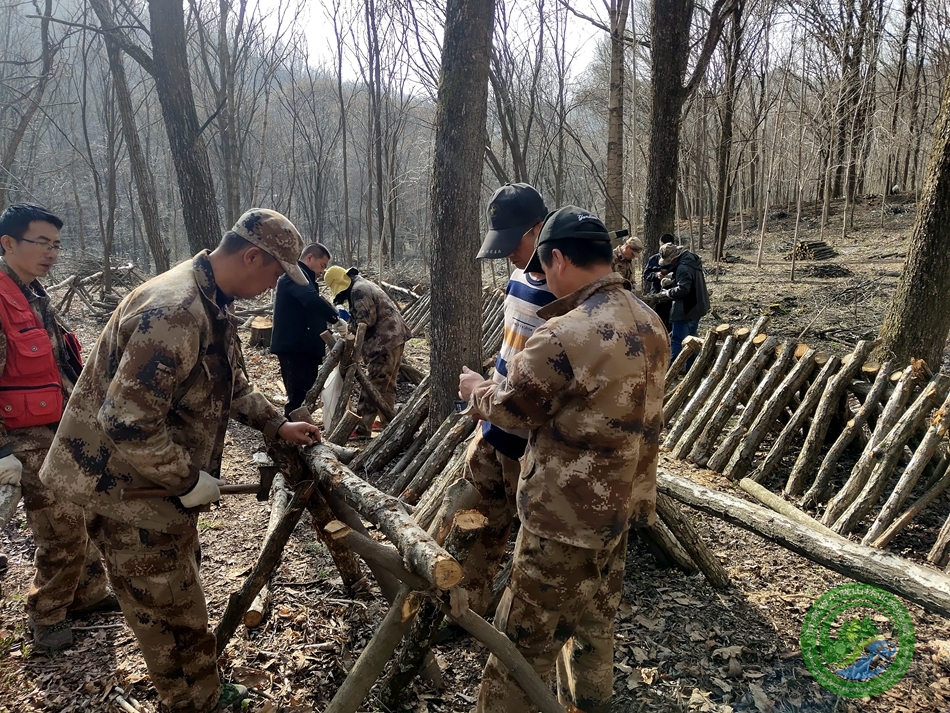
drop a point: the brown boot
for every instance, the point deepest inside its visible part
(51, 637)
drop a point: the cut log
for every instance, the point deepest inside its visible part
(705, 390)
(279, 500)
(853, 428)
(692, 542)
(9, 498)
(695, 374)
(343, 403)
(377, 398)
(261, 330)
(889, 451)
(465, 529)
(330, 362)
(933, 492)
(797, 421)
(410, 373)
(691, 345)
(663, 545)
(239, 601)
(343, 427)
(741, 459)
(346, 562)
(723, 405)
(837, 385)
(862, 469)
(939, 554)
(922, 585)
(782, 506)
(377, 553)
(718, 460)
(431, 445)
(437, 460)
(420, 552)
(936, 432)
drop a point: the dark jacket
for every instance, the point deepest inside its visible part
(690, 296)
(651, 274)
(301, 315)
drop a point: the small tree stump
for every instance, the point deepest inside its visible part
(261, 330)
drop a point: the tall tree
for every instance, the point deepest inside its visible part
(461, 114)
(918, 321)
(613, 215)
(670, 29)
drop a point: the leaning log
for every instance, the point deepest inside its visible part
(678, 397)
(933, 492)
(922, 585)
(377, 398)
(330, 362)
(692, 542)
(279, 501)
(437, 460)
(420, 552)
(691, 345)
(397, 433)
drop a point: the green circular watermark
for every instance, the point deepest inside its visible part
(857, 640)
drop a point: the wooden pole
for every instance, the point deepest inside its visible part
(692, 542)
(279, 500)
(677, 398)
(933, 492)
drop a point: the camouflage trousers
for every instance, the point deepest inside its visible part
(155, 577)
(495, 476)
(382, 369)
(559, 611)
(69, 573)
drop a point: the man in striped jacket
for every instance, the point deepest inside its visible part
(515, 214)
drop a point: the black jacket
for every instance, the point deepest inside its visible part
(301, 315)
(690, 296)
(651, 274)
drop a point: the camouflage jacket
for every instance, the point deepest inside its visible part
(589, 386)
(151, 407)
(627, 270)
(42, 307)
(385, 327)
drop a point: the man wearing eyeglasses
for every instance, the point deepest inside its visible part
(39, 364)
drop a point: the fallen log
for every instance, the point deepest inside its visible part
(664, 547)
(922, 585)
(420, 552)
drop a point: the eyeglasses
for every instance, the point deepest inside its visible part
(47, 247)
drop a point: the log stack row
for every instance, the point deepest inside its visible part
(752, 405)
(811, 250)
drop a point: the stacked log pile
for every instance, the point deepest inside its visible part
(811, 250)
(751, 404)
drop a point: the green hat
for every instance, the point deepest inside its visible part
(569, 222)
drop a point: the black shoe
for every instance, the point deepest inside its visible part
(51, 637)
(107, 604)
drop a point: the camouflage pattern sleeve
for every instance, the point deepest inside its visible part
(537, 384)
(157, 351)
(249, 406)
(362, 308)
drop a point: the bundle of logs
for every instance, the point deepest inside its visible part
(811, 250)
(750, 400)
(85, 288)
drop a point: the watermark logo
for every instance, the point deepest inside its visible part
(857, 640)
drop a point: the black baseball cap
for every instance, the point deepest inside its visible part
(513, 209)
(569, 222)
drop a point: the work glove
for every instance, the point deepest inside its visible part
(339, 327)
(666, 282)
(204, 491)
(664, 295)
(10, 469)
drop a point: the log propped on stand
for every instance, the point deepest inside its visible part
(922, 585)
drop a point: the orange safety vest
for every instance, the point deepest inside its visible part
(31, 391)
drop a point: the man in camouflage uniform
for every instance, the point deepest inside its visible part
(589, 386)
(69, 579)
(624, 256)
(152, 408)
(385, 340)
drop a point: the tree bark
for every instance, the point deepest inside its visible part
(199, 207)
(917, 322)
(460, 121)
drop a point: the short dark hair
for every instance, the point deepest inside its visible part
(667, 238)
(16, 219)
(318, 250)
(232, 244)
(582, 252)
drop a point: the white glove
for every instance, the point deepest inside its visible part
(667, 282)
(664, 294)
(10, 469)
(339, 327)
(205, 491)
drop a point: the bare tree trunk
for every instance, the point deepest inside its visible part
(173, 85)
(613, 215)
(456, 179)
(918, 320)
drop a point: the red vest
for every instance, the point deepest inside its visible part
(31, 392)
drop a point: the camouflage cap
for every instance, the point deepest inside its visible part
(276, 235)
(669, 253)
(634, 244)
